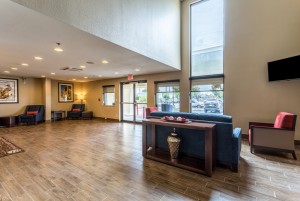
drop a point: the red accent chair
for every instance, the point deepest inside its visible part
(278, 136)
(151, 109)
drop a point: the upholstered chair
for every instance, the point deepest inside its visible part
(278, 136)
(76, 111)
(33, 114)
(151, 109)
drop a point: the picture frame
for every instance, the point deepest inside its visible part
(65, 92)
(9, 90)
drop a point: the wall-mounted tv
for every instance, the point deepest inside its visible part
(284, 69)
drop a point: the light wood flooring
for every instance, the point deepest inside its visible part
(102, 160)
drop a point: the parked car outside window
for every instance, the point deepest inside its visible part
(212, 106)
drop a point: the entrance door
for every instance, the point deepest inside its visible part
(134, 100)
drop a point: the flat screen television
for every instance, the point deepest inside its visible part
(284, 69)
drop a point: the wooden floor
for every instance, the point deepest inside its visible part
(99, 160)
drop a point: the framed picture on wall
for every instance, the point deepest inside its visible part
(65, 92)
(9, 90)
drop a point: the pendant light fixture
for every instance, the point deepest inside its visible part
(58, 49)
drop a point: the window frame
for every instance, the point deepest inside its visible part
(104, 95)
(202, 78)
(166, 81)
(212, 76)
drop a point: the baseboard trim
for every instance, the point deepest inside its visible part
(245, 137)
(109, 119)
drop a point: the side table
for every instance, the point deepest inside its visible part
(8, 121)
(87, 115)
(58, 115)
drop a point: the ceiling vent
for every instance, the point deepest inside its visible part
(65, 68)
(71, 69)
(75, 69)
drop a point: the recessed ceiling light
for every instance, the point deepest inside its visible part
(99, 75)
(82, 66)
(43, 76)
(58, 49)
(73, 79)
(52, 73)
(24, 64)
(85, 77)
(137, 70)
(38, 58)
(14, 68)
(116, 73)
(6, 71)
(105, 62)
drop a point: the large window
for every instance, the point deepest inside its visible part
(207, 38)
(109, 95)
(207, 56)
(167, 95)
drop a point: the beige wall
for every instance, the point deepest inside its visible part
(30, 93)
(257, 32)
(55, 105)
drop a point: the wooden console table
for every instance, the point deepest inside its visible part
(186, 162)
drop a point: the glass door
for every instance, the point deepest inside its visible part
(134, 101)
(127, 104)
(140, 101)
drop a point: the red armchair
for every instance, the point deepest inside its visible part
(278, 136)
(151, 109)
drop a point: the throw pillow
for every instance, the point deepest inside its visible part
(32, 112)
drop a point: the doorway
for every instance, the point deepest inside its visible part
(133, 101)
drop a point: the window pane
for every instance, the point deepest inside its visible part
(207, 96)
(141, 92)
(109, 99)
(207, 84)
(168, 96)
(128, 93)
(207, 38)
(167, 87)
(108, 95)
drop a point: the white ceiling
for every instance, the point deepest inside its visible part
(25, 34)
